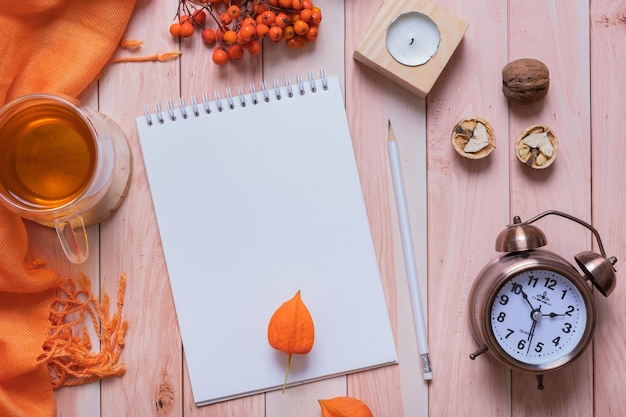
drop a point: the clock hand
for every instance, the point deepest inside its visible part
(553, 315)
(532, 331)
(535, 315)
(530, 335)
(526, 298)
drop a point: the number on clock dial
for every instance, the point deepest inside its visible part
(538, 316)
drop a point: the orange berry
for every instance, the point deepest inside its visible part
(291, 43)
(219, 34)
(272, 2)
(296, 4)
(199, 16)
(262, 29)
(226, 19)
(306, 14)
(284, 3)
(295, 42)
(186, 29)
(230, 37)
(288, 32)
(234, 11)
(248, 21)
(235, 52)
(254, 47)
(307, 4)
(282, 20)
(247, 32)
(275, 34)
(311, 34)
(175, 29)
(220, 56)
(316, 17)
(268, 17)
(184, 18)
(208, 36)
(300, 27)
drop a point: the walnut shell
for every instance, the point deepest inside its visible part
(534, 156)
(525, 80)
(464, 132)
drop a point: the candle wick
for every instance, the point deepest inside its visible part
(412, 40)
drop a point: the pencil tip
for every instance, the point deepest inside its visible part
(390, 135)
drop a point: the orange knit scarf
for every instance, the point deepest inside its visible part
(54, 46)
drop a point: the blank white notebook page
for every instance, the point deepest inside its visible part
(254, 203)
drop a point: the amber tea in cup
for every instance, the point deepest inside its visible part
(62, 165)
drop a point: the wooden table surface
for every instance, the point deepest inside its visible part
(468, 204)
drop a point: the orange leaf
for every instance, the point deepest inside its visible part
(291, 330)
(344, 407)
(291, 327)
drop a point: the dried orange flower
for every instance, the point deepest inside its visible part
(344, 407)
(291, 329)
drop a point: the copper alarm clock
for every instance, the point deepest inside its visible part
(530, 308)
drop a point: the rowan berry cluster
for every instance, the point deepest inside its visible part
(235, 26)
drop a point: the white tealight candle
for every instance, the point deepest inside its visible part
(412, 38)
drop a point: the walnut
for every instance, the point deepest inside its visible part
(537, 147)
(525, 80)
(473, 138)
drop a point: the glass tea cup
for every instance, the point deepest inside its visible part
(62, 165)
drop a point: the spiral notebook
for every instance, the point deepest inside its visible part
(257, 196)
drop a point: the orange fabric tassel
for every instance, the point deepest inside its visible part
(135, 44)
(147, 58)
(69, 355)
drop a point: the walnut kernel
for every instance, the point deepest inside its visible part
(473, 138)
(537, 147)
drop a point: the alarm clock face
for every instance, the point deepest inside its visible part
(538, 317)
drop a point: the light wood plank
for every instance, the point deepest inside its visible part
(371, 101)
(560, 39)
(152, 385)
(467, 207)
(82, 400)
(608, 112)
(302, 400)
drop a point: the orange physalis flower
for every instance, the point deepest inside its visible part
(344, 407)
(291, 329)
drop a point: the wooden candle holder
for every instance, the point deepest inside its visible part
(372, 50)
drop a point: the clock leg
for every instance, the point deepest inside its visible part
(480, 351)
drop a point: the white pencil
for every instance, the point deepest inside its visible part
(409, 255)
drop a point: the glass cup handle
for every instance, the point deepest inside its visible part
(73, 237)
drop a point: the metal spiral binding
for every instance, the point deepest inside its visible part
(268, 93)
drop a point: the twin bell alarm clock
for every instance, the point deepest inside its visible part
(530, 308)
